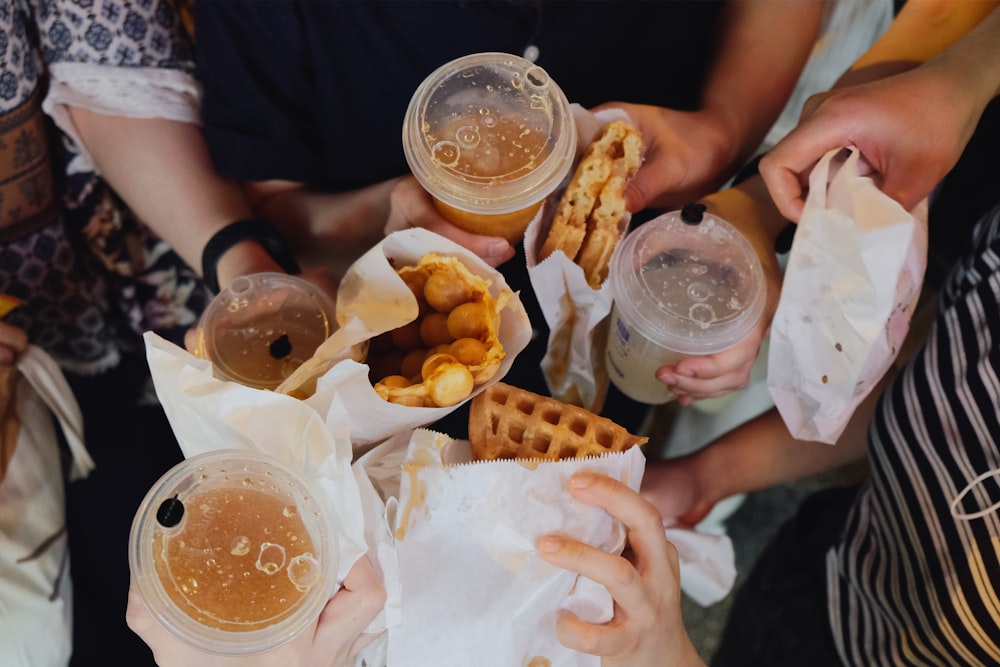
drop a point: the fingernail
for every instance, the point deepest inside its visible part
(497, 248)
(581, 480)
(667, 378)
(549, 544)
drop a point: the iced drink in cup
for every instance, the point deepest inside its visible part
(489, 136)
(684, 284)
(263, 326)
(233, 552)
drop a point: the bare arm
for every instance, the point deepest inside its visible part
(756, 455)
(690, 154)
(321, 225)
(162, 169)
(908, 108)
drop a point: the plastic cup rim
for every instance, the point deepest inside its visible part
(214, 640)
(717, 338)
(519, 193)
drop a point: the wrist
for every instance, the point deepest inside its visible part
(241, 247)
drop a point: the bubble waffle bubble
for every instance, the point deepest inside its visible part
(507, 422)
(451, 348)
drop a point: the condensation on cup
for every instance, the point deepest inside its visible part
(233, 552)
(684, 284)
(489, 136)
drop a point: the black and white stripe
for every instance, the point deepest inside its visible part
(910, 584)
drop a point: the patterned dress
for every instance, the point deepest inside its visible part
(92, 277)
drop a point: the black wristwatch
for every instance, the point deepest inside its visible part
(259, 230)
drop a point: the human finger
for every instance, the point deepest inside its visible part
(14, 338)
(411, 206)
(352, 609)
(604, 639)
(493, 250)
(612, 571)
(642, 521)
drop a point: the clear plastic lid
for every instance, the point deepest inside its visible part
(689, 281)
(489, 133)
(233, 552)
(263, 326)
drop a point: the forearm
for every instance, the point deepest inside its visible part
(162, 170)
(923, 29)
(762, 453)
(319, 225)
(751, 78)
(976, 58)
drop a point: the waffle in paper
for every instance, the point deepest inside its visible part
(507, 422)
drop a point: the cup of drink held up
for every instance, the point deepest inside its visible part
(489, 136)
(686, 283)
(233, 552)
(263, 326)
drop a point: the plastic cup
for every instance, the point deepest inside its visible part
(263, 326)
(683, 284)
(233, 552)
(489, 136)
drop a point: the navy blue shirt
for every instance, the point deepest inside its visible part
(316, 91)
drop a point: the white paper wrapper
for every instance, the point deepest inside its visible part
(373, 299)
(207, 414)
(576, 314)
(853, 277)
(474, 590)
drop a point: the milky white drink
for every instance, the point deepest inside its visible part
(684, 284)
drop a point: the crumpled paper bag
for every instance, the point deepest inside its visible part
(36, 625)
(208, 414)
(852, 281)
(474, 591)
(372, 299)
(577, 314)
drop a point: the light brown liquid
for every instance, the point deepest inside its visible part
(489, 149)
(510, 226)
(233, 563)
(263, 355)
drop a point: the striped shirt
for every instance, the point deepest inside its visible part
(911, 584)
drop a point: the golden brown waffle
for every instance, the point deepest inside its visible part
(506, 422)
(587, 222)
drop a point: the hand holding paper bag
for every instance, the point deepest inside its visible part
(852, 281)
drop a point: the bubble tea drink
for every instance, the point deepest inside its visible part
(489, 136)
(232, 552)
(684, 284)
(263, 326)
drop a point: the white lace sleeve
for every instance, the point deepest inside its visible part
(133, 92)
